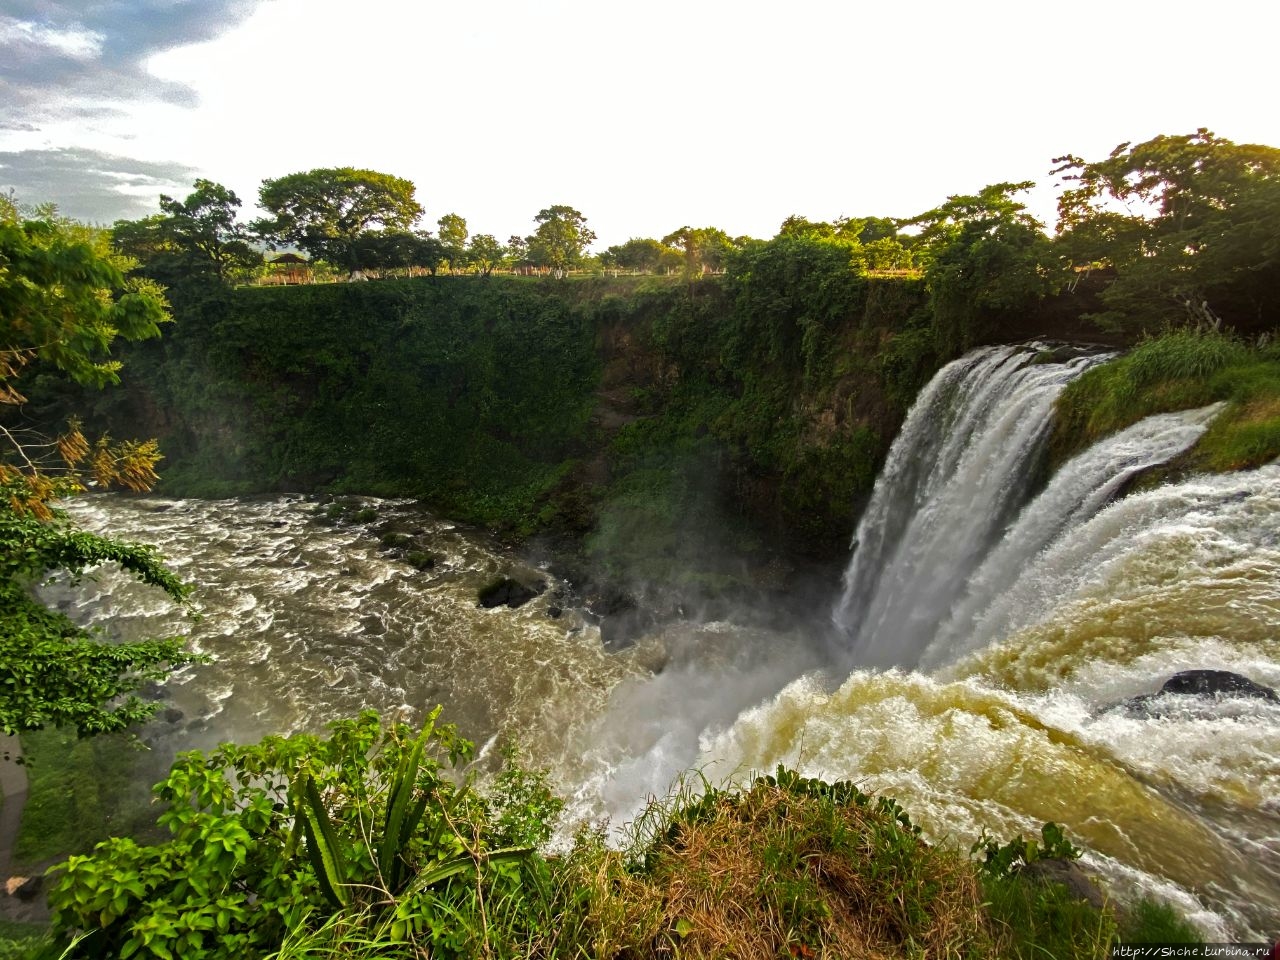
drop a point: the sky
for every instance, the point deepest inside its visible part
(645, 117)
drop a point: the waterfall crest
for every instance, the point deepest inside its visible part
(960, 470)
(951, 525)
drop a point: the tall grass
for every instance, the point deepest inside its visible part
(1179, 370)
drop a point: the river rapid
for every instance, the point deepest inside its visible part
(1000, 707)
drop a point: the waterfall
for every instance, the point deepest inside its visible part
(949, 525)
(959, 471)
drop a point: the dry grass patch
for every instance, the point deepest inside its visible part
(799, 868)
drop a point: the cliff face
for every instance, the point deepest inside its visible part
(660, 433)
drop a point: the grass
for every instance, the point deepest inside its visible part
(19, 941)
(1180, 370)
(1153, 921)
(1033, 921)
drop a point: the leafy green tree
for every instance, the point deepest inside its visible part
(65, 299)
(641, 254)
(325, 211)
(561, 239)
(150, 244)
(517, 250)
(1189, 224)
(798, 226)
(426, 251)
(704, 248)
(205, 230)
(485, 253)
(986, 259)
(453, 234)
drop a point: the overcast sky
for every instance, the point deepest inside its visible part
(645, 116)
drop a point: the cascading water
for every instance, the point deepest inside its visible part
(958, 472)
(1036, 615)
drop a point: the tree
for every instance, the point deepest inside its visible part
(485, 253)
(325, 211)
(641, 254)
(705, 248)
(453, 234)
(985, 259)
(561, 238)
(64, 300)
(1189, 224)
(517, 250)
(204, 228)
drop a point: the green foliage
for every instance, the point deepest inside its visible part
(278, 838)
(522, 807)
(1198, 244)
(359, 844)
(81, 790)
(65, 299)
(470, 394)
(1001, 860)
(53, 672)
(1034, 920)
(206, 236)
(22, 941)
(561, 238)
(986, 261)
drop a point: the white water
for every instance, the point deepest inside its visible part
(958, 472)
(1052, 610)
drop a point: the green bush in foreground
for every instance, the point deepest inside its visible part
(360, 845)
(296, 835)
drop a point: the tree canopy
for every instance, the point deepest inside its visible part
(704, 248)
(65, 297)
(1187, 223)
(325, 211)
(561, 239)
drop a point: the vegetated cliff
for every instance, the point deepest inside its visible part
(699, 438)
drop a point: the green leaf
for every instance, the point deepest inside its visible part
(323, 846)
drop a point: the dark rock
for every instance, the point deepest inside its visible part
(171, 715)
(1066, 873)
(1195, 687)
(554, 612)
(505, 591)
(29, 888)
(612, 603)
(621, 630)
(373, 625)
(1214, 683)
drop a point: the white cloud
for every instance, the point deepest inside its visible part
(75, 42)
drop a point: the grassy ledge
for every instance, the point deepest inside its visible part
(1179, 370)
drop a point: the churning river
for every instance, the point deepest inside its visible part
(992, 626)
